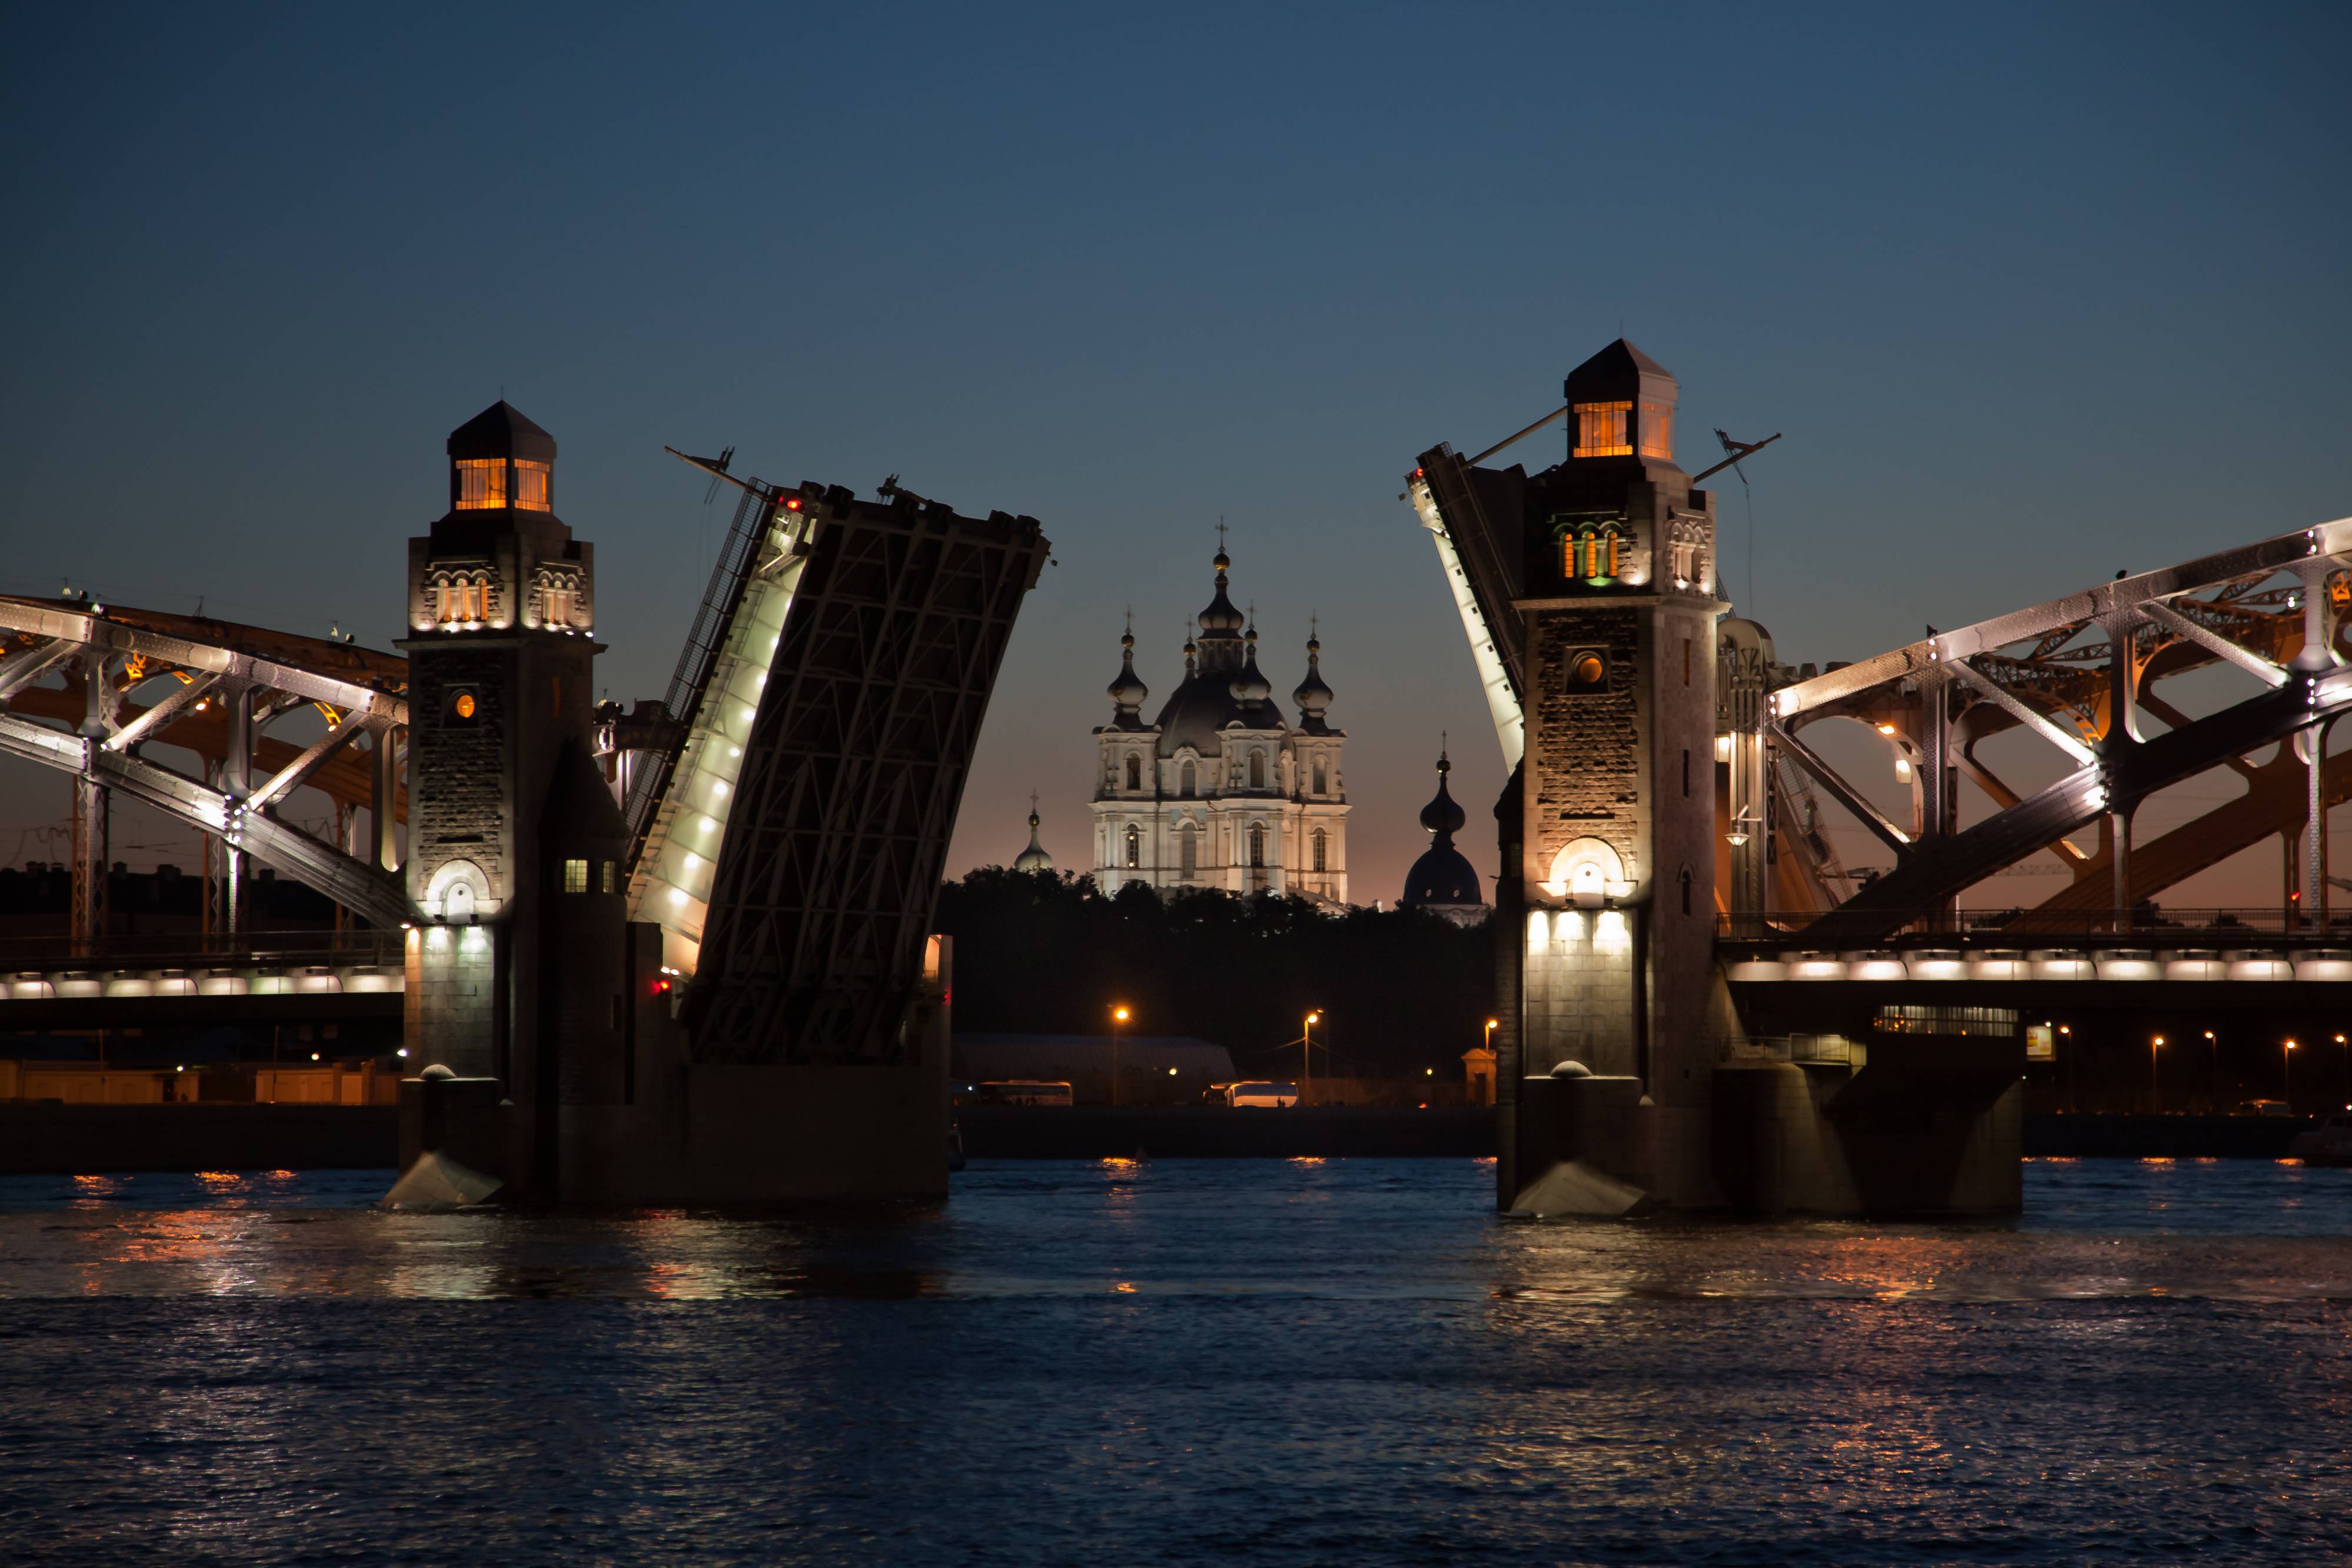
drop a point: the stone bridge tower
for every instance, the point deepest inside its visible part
(1617, 824)
(515, 846)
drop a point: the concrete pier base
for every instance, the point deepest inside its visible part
(1907, 1133)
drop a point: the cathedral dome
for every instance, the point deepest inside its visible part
(1034, 857)
(1127, 688)
(1250, 687)
(1221, 619)
(1312, 696)
(1442, 877)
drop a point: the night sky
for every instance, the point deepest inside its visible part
(2035, 293)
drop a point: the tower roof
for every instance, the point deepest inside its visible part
(1034, 857)
(501, 430)
(1620, 372)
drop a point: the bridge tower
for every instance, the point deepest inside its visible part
(514, 869)
(1617, 819)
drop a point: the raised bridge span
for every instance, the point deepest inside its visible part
(677, 952)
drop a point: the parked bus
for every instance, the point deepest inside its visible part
(1262, 1093)
(1024, 1091)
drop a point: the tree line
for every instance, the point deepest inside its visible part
(1399, 991)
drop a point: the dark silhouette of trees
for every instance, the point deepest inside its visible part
(1399, 991)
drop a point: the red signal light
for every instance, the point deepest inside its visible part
(1417, 473)
(793, 504)
(660, 986)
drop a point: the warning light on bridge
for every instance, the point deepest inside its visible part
(793, 504)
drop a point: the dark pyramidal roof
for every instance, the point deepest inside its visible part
(501, 430)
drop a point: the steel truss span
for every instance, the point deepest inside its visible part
(837, 830)
(221, 685)
(2079, 672)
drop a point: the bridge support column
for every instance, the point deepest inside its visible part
(382, 806)
(2120, 857)
(91, 847)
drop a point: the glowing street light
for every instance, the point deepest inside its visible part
(2286, 1074)
(1118, 1015)
(2155, 1095)
(1306, 1059)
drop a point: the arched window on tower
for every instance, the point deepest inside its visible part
(1134, 771)
(1322, 777)
(1257, 770)
(1186, 780)
(1257, 846)
(1134, 846)
(1188, 851)
(1321, 852)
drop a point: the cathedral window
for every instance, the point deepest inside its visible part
(1601, 430)
(1134, 771)
(482, 483)
(1186, 781)
(1322, 777)
(1188, 851)
(1321, 851)
(1257, 846)
(531, 484)
(1257, 770)
(1134, 846)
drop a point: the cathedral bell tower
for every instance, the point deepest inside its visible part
(515, 845)
(1617, 804)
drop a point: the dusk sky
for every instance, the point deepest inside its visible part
(2035, 294)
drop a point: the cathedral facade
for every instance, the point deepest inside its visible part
(1219, 790)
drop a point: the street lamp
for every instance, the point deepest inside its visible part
(2286, 1074)
(1117, 1016)
(1307, 1059)
(2155, 1095)
(2212, 1074)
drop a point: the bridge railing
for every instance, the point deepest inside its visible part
(185, 950)
(2147, 926)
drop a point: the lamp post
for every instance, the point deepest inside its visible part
(2286, 1076)
(2347, 1072)
(1307, 1059)
(2154, 1094)
(2212, 1074)
(1118, 1016)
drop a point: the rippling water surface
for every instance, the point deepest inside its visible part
(1242, 1361)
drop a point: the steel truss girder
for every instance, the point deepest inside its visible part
(2116, 602)
(2128, 771)
(273, 686)
(839, 824)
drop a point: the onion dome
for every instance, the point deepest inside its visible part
(1221, 619)
(1312, 695)
(1442, 877)
(1442, 815)
(1126, 688)
(1249, 685)
(1191, 653)
(1034, 857)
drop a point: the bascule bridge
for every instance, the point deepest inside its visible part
(1699, 1005)
(682, 956)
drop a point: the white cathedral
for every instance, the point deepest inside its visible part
(1218, 791)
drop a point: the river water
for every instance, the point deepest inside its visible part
(1184, 1362)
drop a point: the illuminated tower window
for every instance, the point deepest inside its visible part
(1321, 851)
(575, 876)
(1188, 852)
(1592, 554)
(1322, 777)
(482, 483)
(1657, 430)
(1601, 430)
(1257, 846)
(1134, 772)
(1134, 847)
(531, 482)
